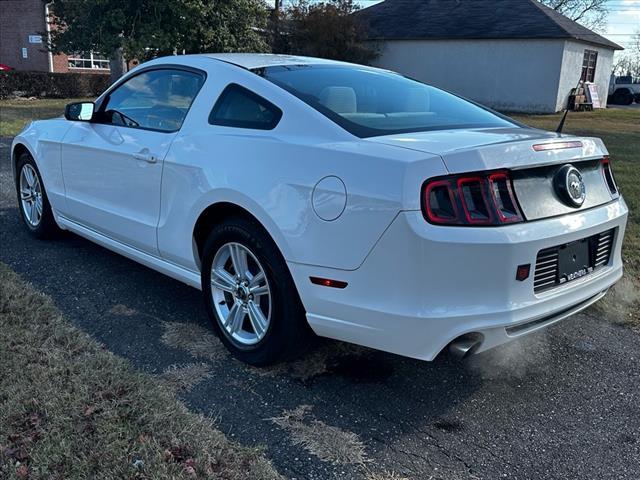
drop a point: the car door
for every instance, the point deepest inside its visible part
(112, 166)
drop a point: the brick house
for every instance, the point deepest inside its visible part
(23, 31)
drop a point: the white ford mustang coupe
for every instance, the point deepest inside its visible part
(305, 195)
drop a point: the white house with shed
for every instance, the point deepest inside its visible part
(511, 55)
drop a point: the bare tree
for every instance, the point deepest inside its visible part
(628, 61)
(590, 13)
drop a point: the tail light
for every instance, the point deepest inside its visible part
(486, 199)
(608, 176)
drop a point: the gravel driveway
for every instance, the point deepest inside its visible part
(561, 404)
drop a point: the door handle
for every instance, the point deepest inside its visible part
(147, 157)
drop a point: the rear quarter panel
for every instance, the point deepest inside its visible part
(273, 178)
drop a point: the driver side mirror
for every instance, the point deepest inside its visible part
(79, 111)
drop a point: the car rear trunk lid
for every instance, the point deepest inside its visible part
(475, 150)
(534, 157)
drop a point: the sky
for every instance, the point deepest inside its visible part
(623, 21)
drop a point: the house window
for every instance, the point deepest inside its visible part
(88, 60)
(589, 66)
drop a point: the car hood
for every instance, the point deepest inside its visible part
(465, 150)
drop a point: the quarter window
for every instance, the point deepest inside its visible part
(589, 66)
(155, 100)
(241, 108)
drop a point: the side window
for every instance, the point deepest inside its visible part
(241, 108)
(156, 99)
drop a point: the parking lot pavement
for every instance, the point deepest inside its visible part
(561, 404)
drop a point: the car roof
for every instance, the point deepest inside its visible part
(259, 60)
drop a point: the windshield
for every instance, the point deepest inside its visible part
(369, 102)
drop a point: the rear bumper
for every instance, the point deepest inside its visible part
(422, 285)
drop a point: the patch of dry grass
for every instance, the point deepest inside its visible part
(183, 378)
(328, 443)
(315, 363)
(69, 409)
(385, 476)
(122, 310)
(194, 339)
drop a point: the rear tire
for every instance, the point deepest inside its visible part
(35, 209)
(255, 309)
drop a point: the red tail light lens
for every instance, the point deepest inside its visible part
(608, 176)
(486, 199)
(474, 200)
(440, 204)
(503, 198)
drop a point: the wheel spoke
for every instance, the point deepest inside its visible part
(236, 315)
(223, 280)
(259, 290)
(25, 193)
(257, 319)
(32, 213)
(28, 175)
(257, 279)
(239, 259)
(39, 206)
(229, 318)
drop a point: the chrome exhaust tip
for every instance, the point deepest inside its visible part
(465, 345)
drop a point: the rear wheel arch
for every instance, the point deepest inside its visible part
(215, 214)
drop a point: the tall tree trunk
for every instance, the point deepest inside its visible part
(117, 65)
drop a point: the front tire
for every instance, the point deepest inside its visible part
(35, 209)
(250, 296)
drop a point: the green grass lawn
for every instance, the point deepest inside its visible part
(15, 114)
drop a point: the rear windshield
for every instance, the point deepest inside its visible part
(369, 102)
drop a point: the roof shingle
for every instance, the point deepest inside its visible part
(472, 19)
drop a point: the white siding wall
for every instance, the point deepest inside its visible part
(508, 75)
(572, 69)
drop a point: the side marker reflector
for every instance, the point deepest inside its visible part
(327, 282)
(522, 273)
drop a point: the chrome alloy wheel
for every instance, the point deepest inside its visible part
(241, 294)
(31, 195)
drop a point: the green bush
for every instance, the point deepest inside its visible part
(52, 85)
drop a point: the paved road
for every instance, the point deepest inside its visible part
(563, 404)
